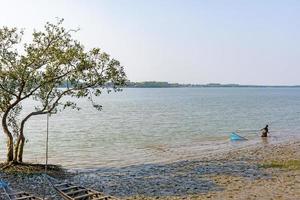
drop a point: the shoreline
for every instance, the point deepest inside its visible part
(219, 148)
(228, 175)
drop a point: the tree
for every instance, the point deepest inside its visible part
(39, 69)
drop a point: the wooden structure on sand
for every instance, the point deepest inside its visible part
(72, 192)
(21, 196)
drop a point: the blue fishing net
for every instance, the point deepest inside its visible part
(3, 184)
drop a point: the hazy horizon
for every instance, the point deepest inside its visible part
(197, 42)
(292, 85)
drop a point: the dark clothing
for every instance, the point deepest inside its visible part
(264, 132)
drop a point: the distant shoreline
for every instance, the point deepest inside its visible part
(158, 84)
(154, 84)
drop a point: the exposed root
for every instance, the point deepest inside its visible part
(7, 165)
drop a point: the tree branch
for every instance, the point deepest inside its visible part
(9, 92)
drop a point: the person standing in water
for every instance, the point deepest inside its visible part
(265, 131)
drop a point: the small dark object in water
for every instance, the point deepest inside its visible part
(265, 131)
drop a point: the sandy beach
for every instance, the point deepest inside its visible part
(147, 100)
(267, 171)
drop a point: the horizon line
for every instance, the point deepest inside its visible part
(216, 84)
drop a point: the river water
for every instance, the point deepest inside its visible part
(159, 125)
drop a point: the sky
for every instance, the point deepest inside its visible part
(185, 41)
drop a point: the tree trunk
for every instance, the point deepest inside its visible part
(10, 139)
(10, 149)
(17, 148)
(21, 149)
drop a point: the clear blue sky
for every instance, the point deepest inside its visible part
(186, 41)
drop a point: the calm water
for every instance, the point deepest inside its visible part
(155, 125)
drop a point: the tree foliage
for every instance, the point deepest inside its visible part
(37, 69)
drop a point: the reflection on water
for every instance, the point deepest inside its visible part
(156, 125)
(265, 141)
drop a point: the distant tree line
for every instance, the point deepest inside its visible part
(158, 84)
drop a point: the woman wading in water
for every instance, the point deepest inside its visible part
(265, 131)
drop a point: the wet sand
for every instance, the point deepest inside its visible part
(267, 171)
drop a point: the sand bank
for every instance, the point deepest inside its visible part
(267, 171)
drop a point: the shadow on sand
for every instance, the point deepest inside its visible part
(175, 179)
